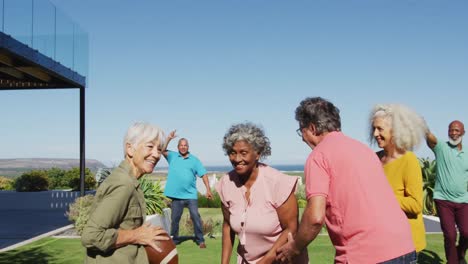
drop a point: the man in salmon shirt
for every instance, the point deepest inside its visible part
(347, 190)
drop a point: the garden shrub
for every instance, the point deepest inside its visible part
(32, 181)
(57, 179)
(79, 212)
(6, 183)
(209, 226)
(154, 196)
(72, 178)
(186, 225)
(301, 203)
(204, 202)
(300, 192)
(428, 169)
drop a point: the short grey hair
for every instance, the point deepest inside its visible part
(250, 133)
(319, 112)
(408, 127)
(142, 132)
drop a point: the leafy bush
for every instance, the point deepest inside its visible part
(155, 201)
(204, 202)
(6, 183)
(302, 203)
(57, 179)
(33, 181)
(72, 179)
(300, 192)
(79, 212)
(209, 226)
(186, 225)
(154, 196)
(428, 169)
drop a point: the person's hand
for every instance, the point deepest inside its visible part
(425, 127)
(209, 195)
(287, 252)
(267, 259)
(172, 135)
(148, 234)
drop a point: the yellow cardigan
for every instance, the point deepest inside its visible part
(405, 177)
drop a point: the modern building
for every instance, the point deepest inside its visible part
(42, 48)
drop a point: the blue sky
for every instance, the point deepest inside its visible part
(200, 66)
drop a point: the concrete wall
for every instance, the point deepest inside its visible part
(46, 200)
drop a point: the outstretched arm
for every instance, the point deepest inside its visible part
(169, 137)
(208, 195)
(431, 140)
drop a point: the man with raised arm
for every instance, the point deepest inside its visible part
(181, 188)
(450, 192)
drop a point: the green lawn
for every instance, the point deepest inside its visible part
(69, 251)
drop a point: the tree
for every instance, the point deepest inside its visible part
(72, 177)
(32, 181)
(57, 179)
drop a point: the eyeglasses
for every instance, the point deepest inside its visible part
(299, 132)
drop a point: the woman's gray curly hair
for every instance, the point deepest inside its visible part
(250, 133)
(408, 127)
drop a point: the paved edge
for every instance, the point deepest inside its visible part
(432, 218)
(51, 233)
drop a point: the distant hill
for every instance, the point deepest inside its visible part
(15, 167)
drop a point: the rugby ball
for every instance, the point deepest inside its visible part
(167, 256)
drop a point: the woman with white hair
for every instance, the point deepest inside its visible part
(115, 231)
(397, 130)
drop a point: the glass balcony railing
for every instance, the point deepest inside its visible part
(41, 26)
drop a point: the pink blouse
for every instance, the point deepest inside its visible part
(256, 223)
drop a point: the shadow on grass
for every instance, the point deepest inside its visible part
(185, 238)
(30, 256)
(429, 257)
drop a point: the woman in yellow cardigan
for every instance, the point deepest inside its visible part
(397, 130)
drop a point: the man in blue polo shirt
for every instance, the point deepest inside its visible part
(181, 187)
(450, 192)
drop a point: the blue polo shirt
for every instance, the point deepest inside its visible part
(182, 176)
(452, 173)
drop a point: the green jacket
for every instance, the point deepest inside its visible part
(119, 204)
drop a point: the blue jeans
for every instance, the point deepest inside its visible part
(409, 258)
(177, 208)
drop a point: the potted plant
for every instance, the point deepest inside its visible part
(156, 203)
(428, 169)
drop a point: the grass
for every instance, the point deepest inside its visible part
(64, 250)
(45, 251)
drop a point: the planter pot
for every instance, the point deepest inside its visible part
(163, 220)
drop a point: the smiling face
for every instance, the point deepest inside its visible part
(183, 147)
(143, 157)
(382, 132)
(455, 132)
(243, 158)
